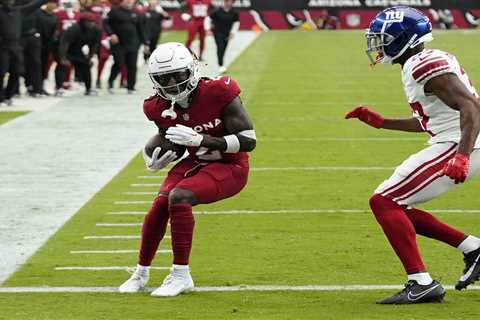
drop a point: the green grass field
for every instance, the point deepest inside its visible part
(6, 116)
(297, 86)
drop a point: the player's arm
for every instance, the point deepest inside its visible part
(237, 123)
(370, 117)
(241, 136)
(454, 94)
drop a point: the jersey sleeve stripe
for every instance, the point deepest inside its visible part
(434, 72)
(424, 62)
(421, 72)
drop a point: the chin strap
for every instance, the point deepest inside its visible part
(170, 112)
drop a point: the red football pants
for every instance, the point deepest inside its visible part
(194, 27)
(210, 183)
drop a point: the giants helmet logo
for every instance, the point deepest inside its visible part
(394, 16)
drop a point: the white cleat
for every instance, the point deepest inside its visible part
(137, 281)
(178, 281)
(222, 70)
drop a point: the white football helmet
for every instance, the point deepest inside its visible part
(174, 71)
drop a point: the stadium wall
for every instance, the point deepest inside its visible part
(344, 14)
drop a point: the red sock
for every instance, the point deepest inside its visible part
(153, 229)
(427, 225)
(399, 231)
(182, 224)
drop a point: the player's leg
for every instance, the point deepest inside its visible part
(427, 225)
(388, 204)
(212, 183)
(201, 38)
(191, 31)
(118, 62)
(153, 228)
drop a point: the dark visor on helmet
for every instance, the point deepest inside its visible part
(165, 79)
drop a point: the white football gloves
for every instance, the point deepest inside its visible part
(155, 163)
(184, 136)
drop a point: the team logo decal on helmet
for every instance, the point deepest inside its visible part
(393, 31)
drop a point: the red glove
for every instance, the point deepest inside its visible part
(457, 168)
(363, 113)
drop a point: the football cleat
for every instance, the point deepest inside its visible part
(416, 293)
(136, 282)
(178, 281)
(471, 273)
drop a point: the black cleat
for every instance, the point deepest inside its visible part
(471, 273)
(416, 293)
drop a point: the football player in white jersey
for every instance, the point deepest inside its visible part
(444, 104)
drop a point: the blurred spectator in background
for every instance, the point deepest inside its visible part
(101, 8)
(224, 22)
(194, 14)
(68, 14)
(154, 17)
(47, 26)
(11, 60)
(443, 19)
(126, 32)
(31, 44)
(327, 21)
(78, 44)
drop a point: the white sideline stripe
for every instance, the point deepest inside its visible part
(339, 139)
(116, 237)
(239, 212)
(118, 224)
(104, 268)
(112, 251)
(218, 289)
(144, 185)
(141, 193)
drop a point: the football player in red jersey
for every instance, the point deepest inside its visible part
(197, 11)
(207, 116)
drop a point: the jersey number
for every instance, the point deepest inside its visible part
(208, 155)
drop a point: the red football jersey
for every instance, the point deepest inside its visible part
(204, 115)
(66, 19)
(199, 9)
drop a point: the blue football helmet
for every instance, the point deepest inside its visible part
(393, 31)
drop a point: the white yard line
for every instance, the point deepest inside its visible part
(119, 224)
(103, 268)
(141, 193)
(346, 139)
(128, 213)
(68, 140)
(151, 177)
(321, 168)
(241, 212)
(321, 288)
(112, 251)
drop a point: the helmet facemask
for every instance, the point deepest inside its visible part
(376, 43)
(176, 85)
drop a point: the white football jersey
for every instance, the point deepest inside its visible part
(436, 118)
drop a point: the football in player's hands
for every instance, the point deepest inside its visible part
(159, 140)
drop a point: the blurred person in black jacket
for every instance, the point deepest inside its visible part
(11, 58)
(154, 17)
(78, 44)
(127, 31)
(224, 23)
(31, 43)
(47, 23)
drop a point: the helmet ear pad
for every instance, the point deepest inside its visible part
(397, 45)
